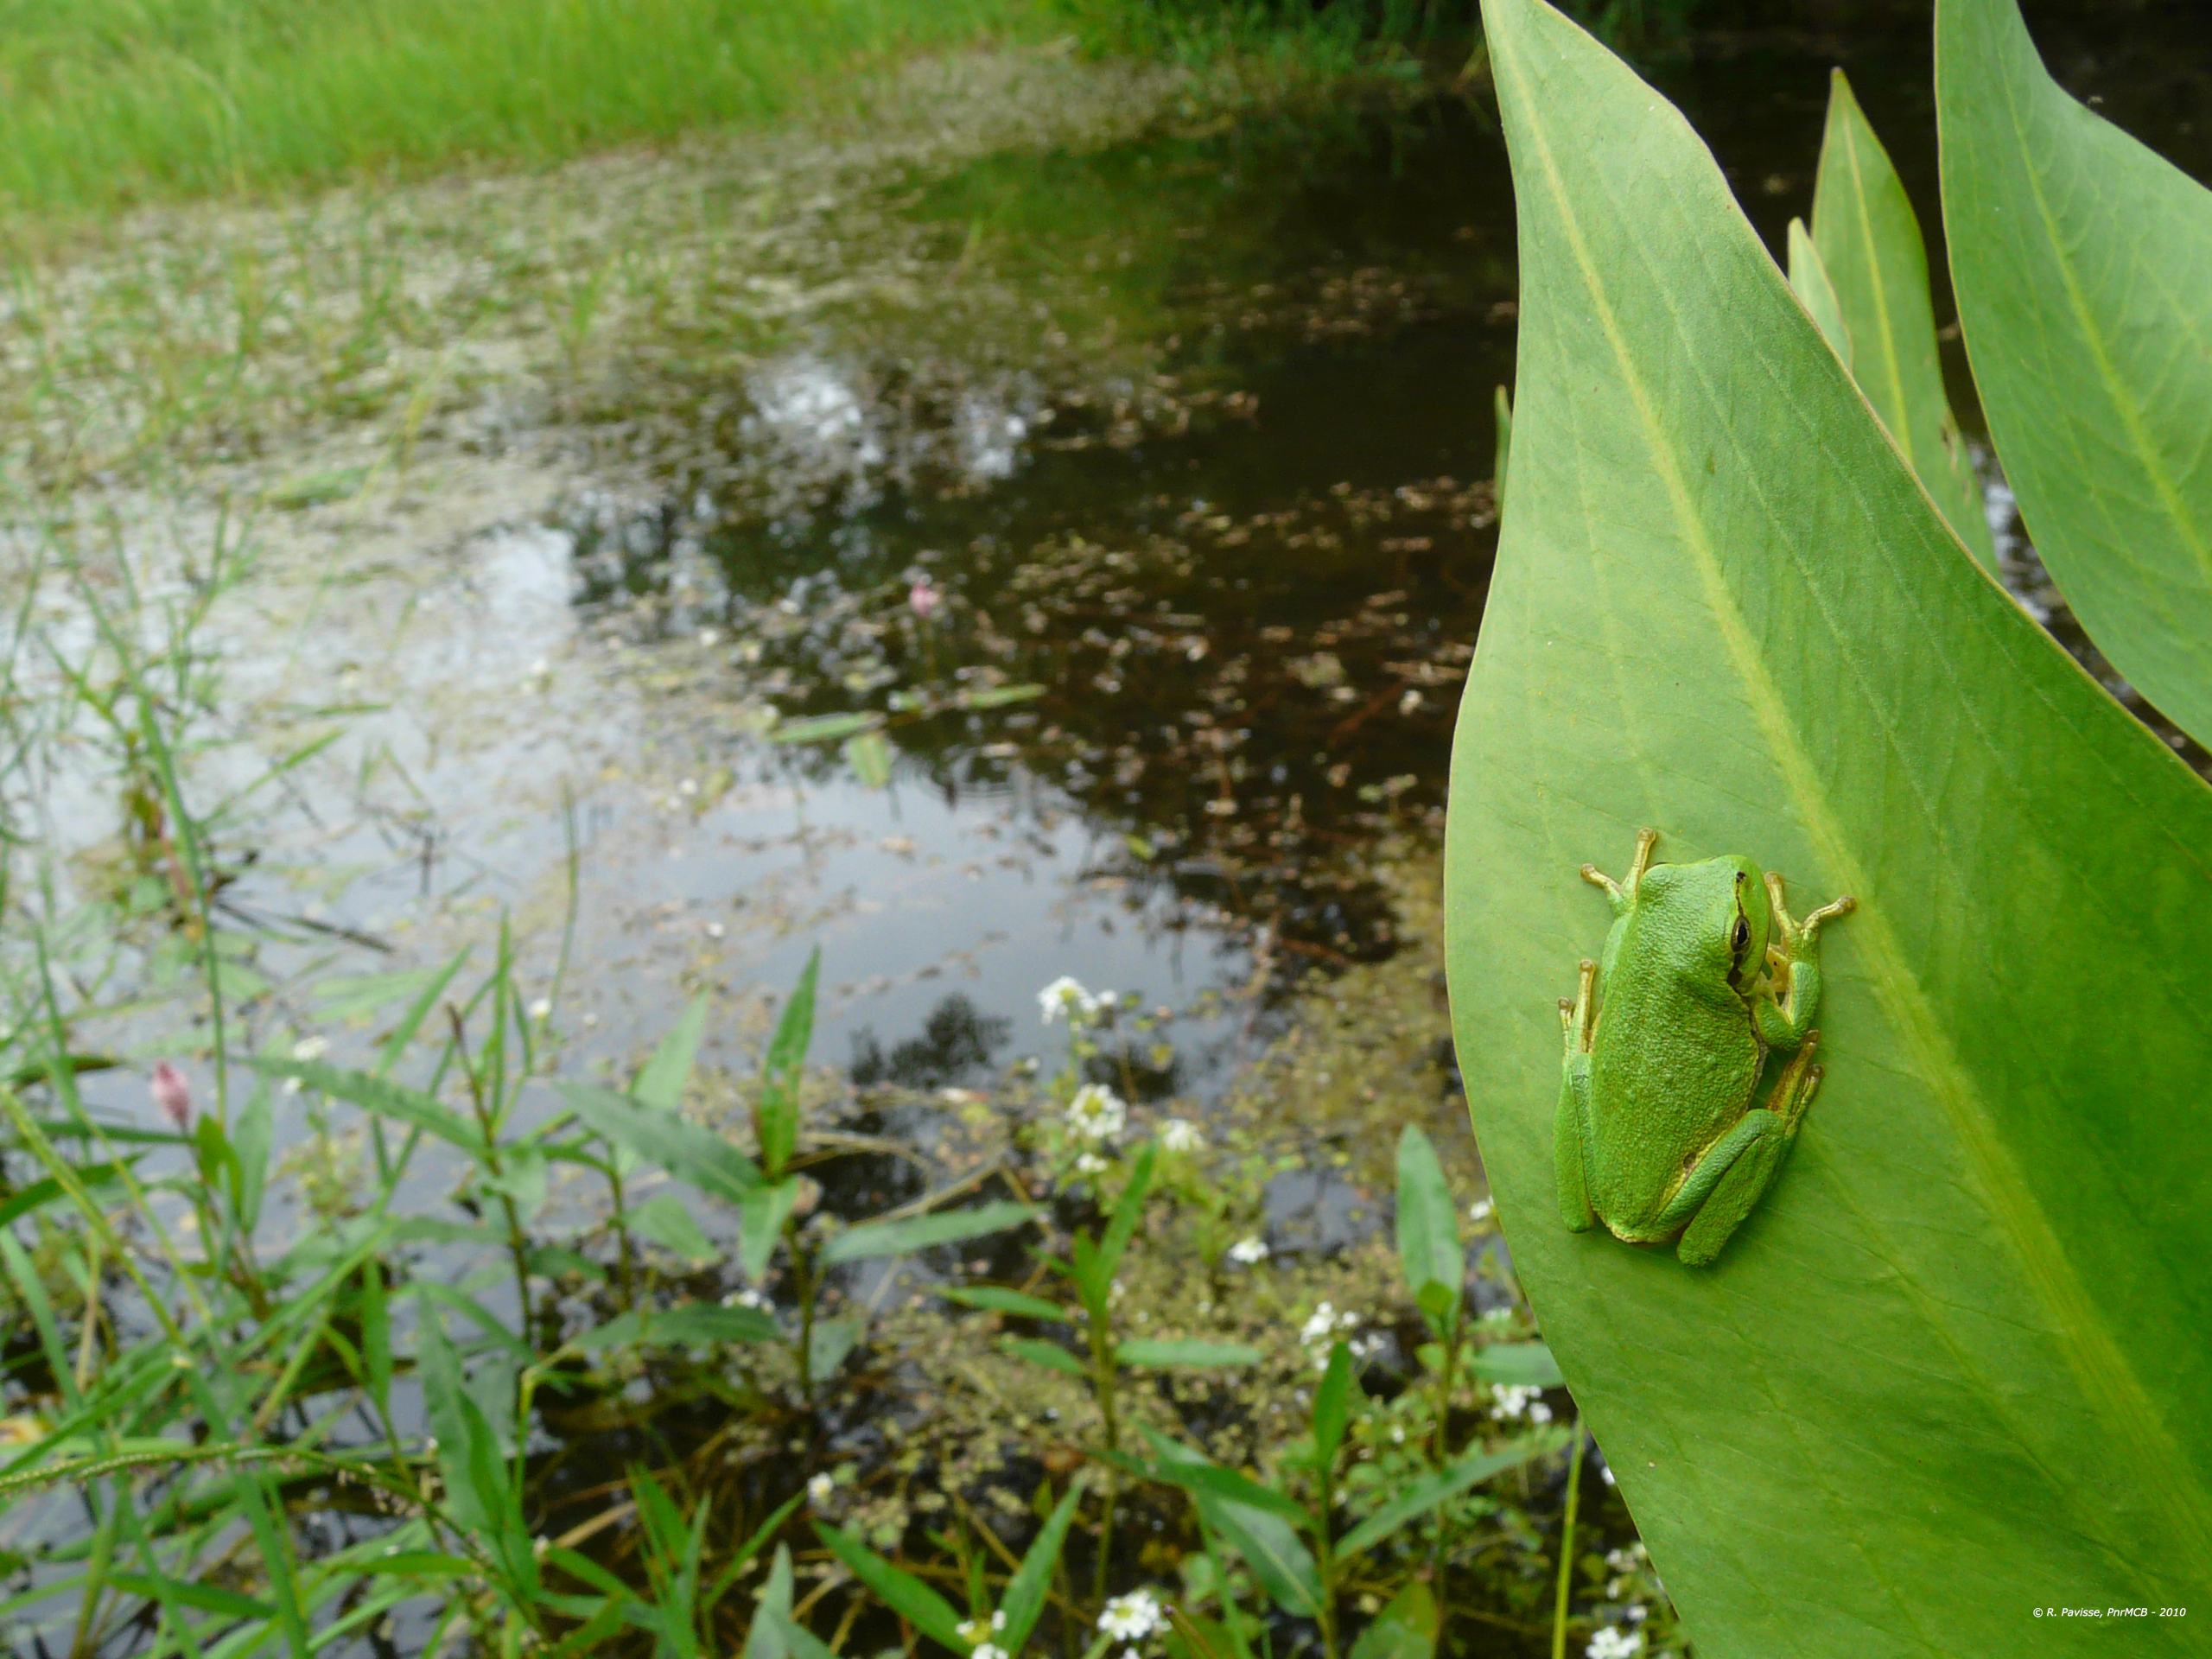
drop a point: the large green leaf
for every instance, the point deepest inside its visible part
(1956, 1359)
(2079, 258)
(1868, 242)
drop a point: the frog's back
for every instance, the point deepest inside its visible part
(1673, 1064)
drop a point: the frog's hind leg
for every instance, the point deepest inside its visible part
(1745, 1177)
(1571, 1124)
(1621, 892)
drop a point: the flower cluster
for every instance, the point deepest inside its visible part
(1251, 1252)
(1515, 1401)
(1133, 1617)
(1097, 1114)
(977, 1632)
(173, 1095)
(1614, 1642)
(1180, 1135)
(1326, 1327)
(1067, 996)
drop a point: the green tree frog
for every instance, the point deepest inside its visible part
(1703, 973)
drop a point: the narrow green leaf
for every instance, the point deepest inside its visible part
(37, 1194)
(704, 1323)
(375, 1336)
(254, 1139)
(421, 1564)
(766, 1209)
(1869, 250)
(831, 1340)
(208, 1598)
(1428, 1221)
(1406, 1629)
(659, 1083)
(385, 1099)
(1161, 1356)
(997, 696)
(684, 1150)
(1005, 1301)
(1023, 1599)
(823, 728)
(1196, 1475)
(900, 1590)
(1724, 607)
(1267, 1539)
(776, 1115)
(1129, 1210)
(869, 753)
(1270, 1547)
(1810, 279)
(1519, 1365)
(395, 1045)
(879, 1238)
(699, 1323)
(1050, 1355)
(2078, 260)
(1332, 1405)
(772, 1612)
(1471, 1469)
(663, 1220)
(742, 1556)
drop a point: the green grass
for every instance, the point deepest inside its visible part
(104, 103)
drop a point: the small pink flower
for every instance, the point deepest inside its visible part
(173, 1095)
(924, 598)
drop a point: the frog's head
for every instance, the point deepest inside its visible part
(1738, 917)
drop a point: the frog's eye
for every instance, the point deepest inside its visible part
(1743, 935)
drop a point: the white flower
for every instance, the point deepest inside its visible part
(1091, 1164)
(1132, 1618)
(542, 1009)
(1097, 1113)
(998, 1620)
(1514, 1401)
(1323, 1328)
(747, 1297)
(1065, 995)
(819, 1488)
(1481, 1209)
(310, 1048)
(986, 1651)
(1613, 1642)
(1626, 1559)
(1180, 1135)
(1637, 1614)
(1251, 1251)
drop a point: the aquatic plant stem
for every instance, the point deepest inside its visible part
(1102, 1385)
(1325, 1552)
(1566, 1543)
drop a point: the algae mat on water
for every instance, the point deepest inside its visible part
(1949, 1372)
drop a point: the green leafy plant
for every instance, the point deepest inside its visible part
(776, 1200)
(1725, 606)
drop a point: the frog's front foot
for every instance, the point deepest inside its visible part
(1799, 938)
